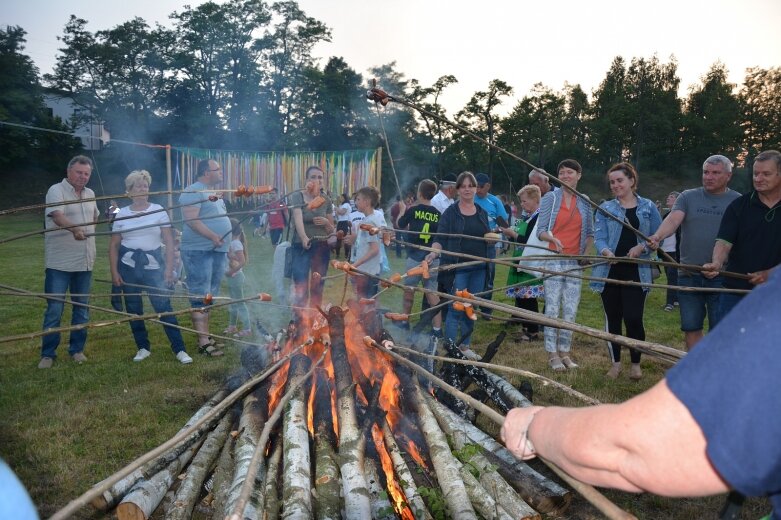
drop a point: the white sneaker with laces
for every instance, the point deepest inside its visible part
(184, 358)
(141, 355)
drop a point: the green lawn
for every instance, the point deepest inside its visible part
(64, 429)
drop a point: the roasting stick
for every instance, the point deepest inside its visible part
(502, 368)
(259, 456)
(74, 505)
(657, 350)
(597, 499)
(154, 317)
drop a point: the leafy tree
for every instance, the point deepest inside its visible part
(712, 117)
(438, 131)
(479, 115)
(21, 102)
(610, 117)
(761, 99)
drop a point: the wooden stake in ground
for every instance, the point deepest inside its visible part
(351, 442)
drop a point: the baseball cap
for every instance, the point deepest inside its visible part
(448, 180)
(482, 178)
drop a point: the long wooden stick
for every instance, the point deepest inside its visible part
(74, 505)
(597, 499)
(501, 368)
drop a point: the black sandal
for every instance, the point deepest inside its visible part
(210, 350)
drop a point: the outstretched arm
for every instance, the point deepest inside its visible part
(649, 443)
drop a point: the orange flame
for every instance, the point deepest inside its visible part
(412, 449)
(395, 493)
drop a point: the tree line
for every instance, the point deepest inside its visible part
(241, 75)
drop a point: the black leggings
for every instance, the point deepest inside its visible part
(529, 304)
(624, 304)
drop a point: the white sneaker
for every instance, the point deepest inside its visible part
(141, 355)
(184, 358)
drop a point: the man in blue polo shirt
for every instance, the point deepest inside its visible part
(496, 212)
(749, 238)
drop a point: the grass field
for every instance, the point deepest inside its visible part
(64, 429)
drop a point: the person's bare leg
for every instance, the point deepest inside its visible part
(692, 337)
(433, 300)
(201, 324)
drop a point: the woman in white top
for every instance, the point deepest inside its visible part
(237, 256)
(137, 263)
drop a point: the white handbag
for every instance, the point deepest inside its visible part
(530, 266)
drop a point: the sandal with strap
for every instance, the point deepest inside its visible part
(556, 364)
(569, 363)
(210, 350)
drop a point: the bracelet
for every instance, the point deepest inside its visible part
(528, 447)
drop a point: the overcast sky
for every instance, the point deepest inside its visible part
(520, 42)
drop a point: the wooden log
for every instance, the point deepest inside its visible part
(223, 474)
(143, 498)
(407, 481)
(297, 477)
(351, 443)
(540, 492)
(381, 506)
(480, 378)
(453, 490)
(253, 418)
(271, 501)
(481, 499)
(114, 494)
(190, 487)
(499, 489)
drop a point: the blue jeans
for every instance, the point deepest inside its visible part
(489, 280)
(695, 305)
(58, 283)
(473, 280)
(728, 301)
(205, 270)
(134, 304)
(672, 279)
(315, 260)
(237, 311)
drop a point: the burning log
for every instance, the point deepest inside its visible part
(296, 482)
(414, 500)
(381, 506)
(453, 490)
(516, 398)
(253, 418)
(114, 494)
(351, 442)
(141, 501)
(541, 493)
(271, 486)
(190, 487)
(479, 376)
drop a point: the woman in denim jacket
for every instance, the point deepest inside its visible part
(624, 303)
(567, 223)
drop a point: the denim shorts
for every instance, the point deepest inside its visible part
(696, 305)
(413, 281)
(205, 270)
